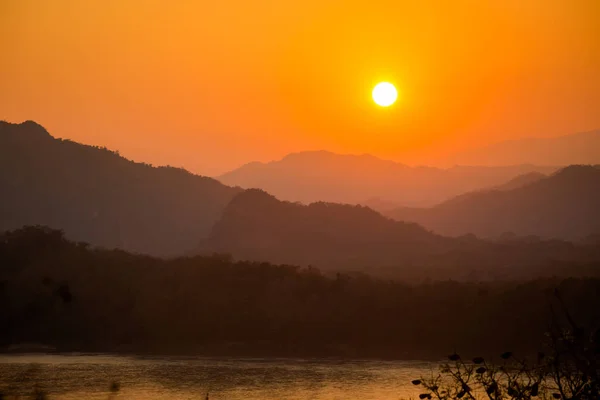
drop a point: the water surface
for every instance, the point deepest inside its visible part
(175, 378)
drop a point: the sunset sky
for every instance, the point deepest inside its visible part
(211, 85)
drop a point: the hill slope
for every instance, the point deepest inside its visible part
(256, 226)
(521, 180)
(323, 176)
(385, 207)
(564, 205)
(97, 196)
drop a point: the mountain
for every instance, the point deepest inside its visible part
(323, 176)
(99, 197)
(386, 207)
(564, 205)
(514, 183)
(578, 148)
(334, 237)
(521, 180)
(379, 204)
(260, 227)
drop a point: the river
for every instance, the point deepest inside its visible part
(82, 376)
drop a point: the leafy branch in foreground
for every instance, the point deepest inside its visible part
(479, 379)
(570, 371)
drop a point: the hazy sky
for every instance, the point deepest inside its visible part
(210, 85)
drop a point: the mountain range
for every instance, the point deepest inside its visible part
(564, 205)
(324, 176)
(354, 179)
(339, 237)
(97, 196)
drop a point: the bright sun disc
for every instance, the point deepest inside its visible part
(385, 94)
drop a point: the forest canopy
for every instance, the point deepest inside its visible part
(70, 296)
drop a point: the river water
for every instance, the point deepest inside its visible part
(78, 376)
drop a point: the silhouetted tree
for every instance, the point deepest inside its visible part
(569, 370)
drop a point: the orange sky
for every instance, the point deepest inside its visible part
(210, 85)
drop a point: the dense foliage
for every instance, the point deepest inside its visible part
(70, 296)
(568, 369)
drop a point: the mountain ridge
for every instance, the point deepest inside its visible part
(97, 196)
(258, 227)
(326, 176)
(562, 205)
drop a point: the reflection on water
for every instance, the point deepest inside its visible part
(90, 377)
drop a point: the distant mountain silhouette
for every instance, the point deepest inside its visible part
(514, 183)
(323, 176)
(386, 207)
(379, 204)
(521, 180)
(256, 226)
(97, 196)
(564, 205)
(578, 148)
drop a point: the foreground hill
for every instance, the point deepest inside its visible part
(577, 148)
(324, 176)
(334, 237)
(564, 205)
(97, 196)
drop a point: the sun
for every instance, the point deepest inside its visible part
(385, 94)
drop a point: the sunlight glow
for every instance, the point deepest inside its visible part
(385, 94)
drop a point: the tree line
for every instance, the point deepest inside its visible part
(73, 297)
